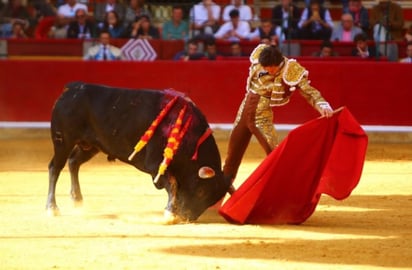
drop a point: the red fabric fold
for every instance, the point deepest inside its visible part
(325, 155)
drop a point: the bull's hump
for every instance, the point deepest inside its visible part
(73, 85)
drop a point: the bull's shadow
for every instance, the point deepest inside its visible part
(361, 230)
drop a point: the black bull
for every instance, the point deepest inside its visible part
(89, 118)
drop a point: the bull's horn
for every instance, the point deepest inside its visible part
(206, 172)
(229, 180)
(231, 190)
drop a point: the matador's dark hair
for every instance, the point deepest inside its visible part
(270, 56)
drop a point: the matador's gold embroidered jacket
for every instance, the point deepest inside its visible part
(278, 88)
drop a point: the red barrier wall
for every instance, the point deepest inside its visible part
(377, 93)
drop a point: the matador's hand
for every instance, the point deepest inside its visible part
(325, 109)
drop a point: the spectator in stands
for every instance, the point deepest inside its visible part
(307, 2)
(235, 29)
(287, 15)
(69, 9)
(82, 27)
(176, 27)
(387, 21)
(43, 8)
(59, 28)
(211, 52)
(113, 25)
(408, 58)
(14, 12)
(204, 18)
(245, 12)
(236, 50)
(408, 34)
(362, 49)
(102, 8)
(346, 30)
(267, 33)
(104, 51)
(359, 14)
(316, 22)
(17, 31)
(2, 5)
(143, 28)
(135, 9)
(191, 53)
(326, 50)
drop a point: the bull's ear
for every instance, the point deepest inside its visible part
(206, 172)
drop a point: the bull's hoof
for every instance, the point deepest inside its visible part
(170, 218)
(53, 211)
(78, 203)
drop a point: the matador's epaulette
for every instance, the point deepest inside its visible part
(293, 73)
(254, 56)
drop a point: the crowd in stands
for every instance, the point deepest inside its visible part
(205, 22)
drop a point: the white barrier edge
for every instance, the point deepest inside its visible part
(280, 127)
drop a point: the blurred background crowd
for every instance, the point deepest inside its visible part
(200, 23)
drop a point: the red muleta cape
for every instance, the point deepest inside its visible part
(325, 155)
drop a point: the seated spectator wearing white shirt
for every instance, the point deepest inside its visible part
(245, 12)
(346, 30)
(204, 18)
(68, 10)
(235, 29)
(104, 51)
(408, 58)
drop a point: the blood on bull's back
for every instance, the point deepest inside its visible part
(174, 142)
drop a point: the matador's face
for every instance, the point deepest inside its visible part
(272, 70)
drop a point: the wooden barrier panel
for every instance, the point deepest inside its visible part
(377, 93)
(49, 47)
(308, 47)
(165, 49)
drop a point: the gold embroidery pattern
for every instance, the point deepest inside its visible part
(278, 96)
(293, 73)
(264, 121)
(254, 56)
(240, 111)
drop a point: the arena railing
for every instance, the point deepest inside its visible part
(166, 49)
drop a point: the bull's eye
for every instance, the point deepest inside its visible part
(206, 172)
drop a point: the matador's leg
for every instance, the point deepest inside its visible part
(238, 143)
(260, 123)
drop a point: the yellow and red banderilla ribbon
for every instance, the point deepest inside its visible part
(150, 131)
(173, 142)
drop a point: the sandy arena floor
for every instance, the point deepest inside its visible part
(119, 226)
